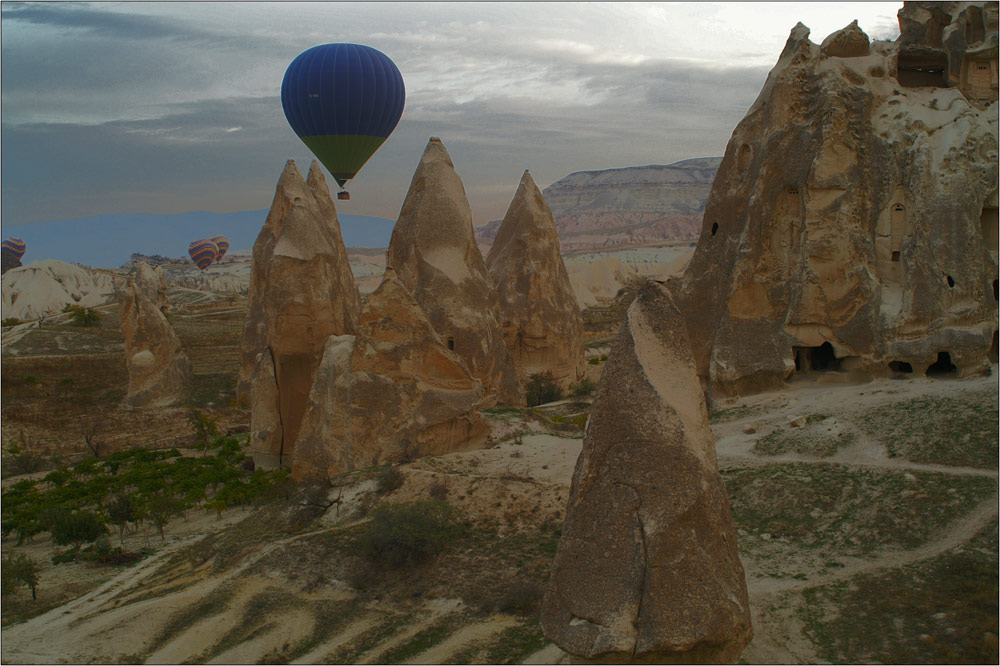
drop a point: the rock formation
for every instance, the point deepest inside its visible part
(647, 568)
(157, 367)
(435, 256)
(853, 222)
(393, 392)
(540, 319)
(301, 293)
(44, 287)
(153, 285)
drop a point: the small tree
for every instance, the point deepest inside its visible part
(76, 528)
(542, 388)
(407, 533)
(161, 508)
(19, 568)
(205, 427)
(122, 510)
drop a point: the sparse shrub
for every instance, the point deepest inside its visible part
(11, 321)
(542, 388)
(81, 316)
(594, 360)
(521, 598)
(584, 387)
(19, 568)
(408, 533)
(390, 479)
(21, 460)
(439, 491)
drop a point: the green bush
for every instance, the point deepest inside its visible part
(19, 568)
(542, 388)
(584, 387)
(408, 533)
(76, 528)
(390, 479)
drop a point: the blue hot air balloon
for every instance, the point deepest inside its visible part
(15, 246)
(203, 252)
(343, 101)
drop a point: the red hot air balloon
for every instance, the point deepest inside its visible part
(222, 243)
(203, 252)
(15, 246)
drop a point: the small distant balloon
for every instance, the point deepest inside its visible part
(222, 243)
(343, 101)
(203, 252)
(15, 246)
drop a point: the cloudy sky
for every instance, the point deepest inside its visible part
(168, 107)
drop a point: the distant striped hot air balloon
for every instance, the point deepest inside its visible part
(15, 246)
(222, 243)
(203, 252)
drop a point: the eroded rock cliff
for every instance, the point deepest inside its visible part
(853, 223)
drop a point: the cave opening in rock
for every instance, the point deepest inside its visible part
(942, 366)
(715, 227)
(900, 366)
(916, 69)
(994, 351)
(951, 280)
(451, 344)
(821, 359)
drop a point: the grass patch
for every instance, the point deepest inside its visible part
(942, 610)
(208, 606)
(810, 440)
(735, 413)
(852, 511)
(511, 646)
(421, 641)
(945, 431)
(349, 653)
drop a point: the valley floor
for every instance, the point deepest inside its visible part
(867, 520)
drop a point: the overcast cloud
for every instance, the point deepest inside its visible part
(169, 107)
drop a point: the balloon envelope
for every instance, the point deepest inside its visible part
(222, 243)
(343, 100)
(203, 252)
(15, 246)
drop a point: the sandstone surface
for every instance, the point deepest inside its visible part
(44, 287)
(392, 393)
(540, 318)
(157, 367)
(301, 292)
(647, 568)
(852, 227)
(434, 254)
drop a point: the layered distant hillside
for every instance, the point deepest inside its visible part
(628, 206)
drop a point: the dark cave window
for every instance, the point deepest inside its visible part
(942, 366)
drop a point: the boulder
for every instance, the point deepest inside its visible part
(302, 292)
(158, 369)
(434, 254)
(647, 568)
(539, 315)
(852, 228)
(392, 393)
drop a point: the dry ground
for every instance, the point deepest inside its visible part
(867, 520)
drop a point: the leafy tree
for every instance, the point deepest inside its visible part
(122, 510)
(19, 568)
(161, 508)
(77, 528)
(205, 427)
(81, 316)
(542, 388)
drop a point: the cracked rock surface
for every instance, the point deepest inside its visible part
(647, 568)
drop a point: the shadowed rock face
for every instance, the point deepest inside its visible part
(540, 318)
(647, 568)
(301, 292)
(853, 221)
(393, 392)
(434, 254)
(157, 367)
